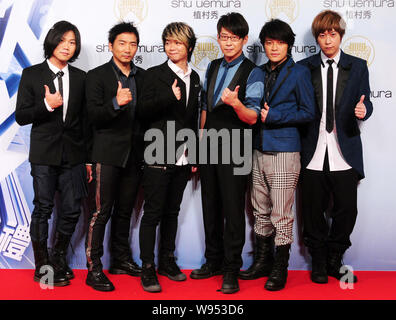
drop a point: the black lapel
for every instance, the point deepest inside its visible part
(211, 87)
(344, 67)
(72, 92)
(194, 91)
(168, 77)
(285, 72)
(316, 76)
(47, 76)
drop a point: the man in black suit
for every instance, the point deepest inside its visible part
(51, 98)
(170, 98)
(332, 156)
(113, 90)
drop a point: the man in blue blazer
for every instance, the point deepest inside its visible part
(332, 162)
(287, 100)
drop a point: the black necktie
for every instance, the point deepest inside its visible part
(221, 83)
(329, 102)
(59, 75)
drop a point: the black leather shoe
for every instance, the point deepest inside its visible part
(167, 267)
(336, 268)
(230, 282)
(45, 272)
(207, 270)
(278, 277)
(263, 259)
(149, 279)
(59, 253)
(99, 281)
(43, 275)
(126, 267)
(319, 265)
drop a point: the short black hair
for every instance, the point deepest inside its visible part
(278, 30)
(123, 27)
(54, 37)
(234, 22)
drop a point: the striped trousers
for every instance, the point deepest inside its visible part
(274, 178)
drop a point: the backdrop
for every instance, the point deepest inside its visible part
(24, 24)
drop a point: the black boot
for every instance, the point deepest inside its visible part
(99, 281)
(230, 282)
(207, 270)
(278, 276)
(149, 278)
(263, 259)
(59, 253)
(336, 268)
(319, 265)
(167, 267)
(43, 266)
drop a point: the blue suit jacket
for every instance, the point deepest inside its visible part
(352, 83)
(291, 103)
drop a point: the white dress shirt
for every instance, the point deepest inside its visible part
(326, 139)
(66, 87)
(186, 79)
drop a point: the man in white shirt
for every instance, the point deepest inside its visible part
(169, 100)
(332, 161)
(51, 97)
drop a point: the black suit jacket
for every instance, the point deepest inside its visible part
(159, 105)
(352, 83)
(50, 136)
(117, 134)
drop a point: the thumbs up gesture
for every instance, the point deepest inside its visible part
(360, 109)
(264, 112)
(176, 90)
(230, 97)
(124, 95)
(54, 100)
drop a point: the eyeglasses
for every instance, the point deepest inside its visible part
(224, 37)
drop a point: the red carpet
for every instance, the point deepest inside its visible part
(19, 285)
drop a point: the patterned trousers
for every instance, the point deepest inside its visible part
(274, 178)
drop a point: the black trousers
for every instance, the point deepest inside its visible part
(70, 182)
(116, 192)
(163, 193)
(223, 198)
(318, 189)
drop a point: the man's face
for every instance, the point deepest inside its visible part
(176, 50)
(230, 44)
(66, 48)
(276, 50)
(329, 42)
(124, 47)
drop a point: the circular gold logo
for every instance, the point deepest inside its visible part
(360, 47)
(131, 10)
(286, 10)
(206, 49)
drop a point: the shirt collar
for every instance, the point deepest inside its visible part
(278, 68)
(179, 71)
(131, 73)
(55, 69)
(324, 58)
(233, 62)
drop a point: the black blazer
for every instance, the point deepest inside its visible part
(352, 83)
(50, 136)
(159, 104)
(117, 134)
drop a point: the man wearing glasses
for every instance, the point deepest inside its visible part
(225, 107)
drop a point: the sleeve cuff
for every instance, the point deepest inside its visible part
(48, 106)
(115, 104)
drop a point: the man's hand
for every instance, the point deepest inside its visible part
(360, 109)
(89, 172)
(176, 90)
(230, 97)
(264, 112)
(124, 95)
(54, 100)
